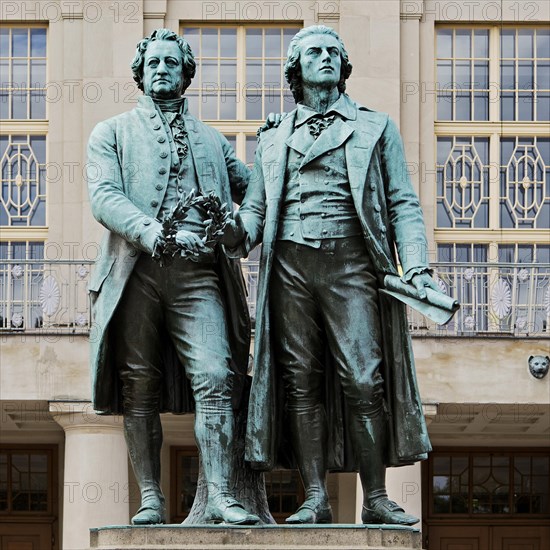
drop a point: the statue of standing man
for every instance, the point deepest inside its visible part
(331, 201)
(158, 325)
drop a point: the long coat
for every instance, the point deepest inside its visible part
(378, 175)
(127, 171)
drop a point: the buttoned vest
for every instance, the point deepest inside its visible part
(182, 180)
(318, 203)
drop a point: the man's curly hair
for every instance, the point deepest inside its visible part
(188, 59)
(293, 72)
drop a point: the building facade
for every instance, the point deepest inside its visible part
(468, 83)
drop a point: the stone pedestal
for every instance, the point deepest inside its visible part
(264, 537)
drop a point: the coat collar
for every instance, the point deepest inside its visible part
(343, 106)
(146, 102)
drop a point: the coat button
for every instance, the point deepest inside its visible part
(327, 168)
(373, 187)
(152, 115)
(132, 252)
(180, 189)
(377, 207)
(156, 127)
(159, 186)
(383, 229)
(300, 171)
(325, 231)
(302, 217)
(324, 215)
(154, 204)
(161, 139)
(162, 170)
(329, 153)
(163, 155)
(147, 221)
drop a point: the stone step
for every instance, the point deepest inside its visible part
(257, 537)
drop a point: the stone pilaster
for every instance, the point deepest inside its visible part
(96, 472)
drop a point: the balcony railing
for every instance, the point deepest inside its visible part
(496, 299)
(45, 296)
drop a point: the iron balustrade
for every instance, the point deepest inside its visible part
(497, 299)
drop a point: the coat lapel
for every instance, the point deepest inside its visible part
(359, 149)
(275, 156)
(300, 140)
(336, 134)
(205, 162)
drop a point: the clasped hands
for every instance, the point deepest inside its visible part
(193, 247)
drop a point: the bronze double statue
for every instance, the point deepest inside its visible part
(331, 203)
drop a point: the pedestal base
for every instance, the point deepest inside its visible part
(264, 537)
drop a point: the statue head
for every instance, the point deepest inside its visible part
(177, 66)
(293, 66)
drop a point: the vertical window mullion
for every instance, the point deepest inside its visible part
(494, 74)
(218, 78)
(241, 74)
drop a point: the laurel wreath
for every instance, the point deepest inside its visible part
(217, 214)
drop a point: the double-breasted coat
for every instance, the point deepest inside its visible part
(391, 219)
(127, 171)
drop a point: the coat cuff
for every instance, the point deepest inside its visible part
(407, 277)
(151, 229)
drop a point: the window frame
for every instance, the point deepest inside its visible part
(494, 130)
(30, 127)
(511, 453)
(241, 128)
(52, 475)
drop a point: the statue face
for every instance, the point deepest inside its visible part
(320, 61)
(163, 70)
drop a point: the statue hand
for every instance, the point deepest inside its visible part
(272, 121)
(421, 281)
(233, 233)
(191, 244)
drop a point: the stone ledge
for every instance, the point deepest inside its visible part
(265, 537)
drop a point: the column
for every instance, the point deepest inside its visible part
(95, 477)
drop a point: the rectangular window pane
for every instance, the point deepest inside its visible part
(228, 42)
(507, 43)
(192, 35)
(543, 75)
(19, 42)
(543, 43)
(481, 106)
(445, 43)
(525, 106)
(508, 75)
(463, 42)
(543, 107)
(507, 106)
(463, 106)
(526, 75)
(525, 43)
(481, 41)
(481, 75)
(38, 42)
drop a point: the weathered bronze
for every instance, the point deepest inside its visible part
(331, 200)
(155, 325)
